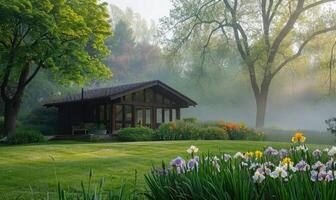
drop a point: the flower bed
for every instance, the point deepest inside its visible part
(294, 173)
(193, 130)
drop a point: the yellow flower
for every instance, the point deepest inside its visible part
(258, 154)
(249, 154)
(298, 137)
(286, 161)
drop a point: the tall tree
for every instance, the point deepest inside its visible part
(268, 34)
(122, 40)
(64, 37)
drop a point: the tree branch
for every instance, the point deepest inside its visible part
(298, 53)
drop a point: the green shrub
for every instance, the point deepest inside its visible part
(213, 133)
(24, 135)
(136, 134)
(179, 130)
(42, 119)
(190, 120)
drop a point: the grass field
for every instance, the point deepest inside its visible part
(33, 170)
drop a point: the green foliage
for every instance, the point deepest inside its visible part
(24, 135)
(190, 120)
(225, 177)
(179, 130)
(96, 191)
(122, 40)
(42, 119)
(213, 133)
(66, 37)
(190, 129)
(136, 134)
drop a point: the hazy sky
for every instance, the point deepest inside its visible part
(149, 9)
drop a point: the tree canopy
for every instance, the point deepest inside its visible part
(268, 35)
(63, 37)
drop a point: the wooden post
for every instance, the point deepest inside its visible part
(170, 115)
(178, 114)
(133, 116)
(113, 117)
(163, 115)
(154, 118)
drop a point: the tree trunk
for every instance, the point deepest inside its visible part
(261, 111)
(11, 112)
(261, 101)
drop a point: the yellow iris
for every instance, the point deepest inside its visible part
(249, 154)
(287, 161)
(258, 154)
(298, 137)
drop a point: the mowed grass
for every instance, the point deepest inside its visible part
(33, 171)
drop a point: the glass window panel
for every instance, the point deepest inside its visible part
(174, 114)
(119, 113)
(149, 95)
(148, 117)
(128, 113)
(159, 115)
(166, 115)
(108, 112)
(139, 114)
(102, 112)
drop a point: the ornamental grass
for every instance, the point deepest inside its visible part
(294, 173)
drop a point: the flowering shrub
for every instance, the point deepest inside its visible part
(187, 130)
(294, 173)
(240, 131)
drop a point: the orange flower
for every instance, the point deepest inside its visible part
(298, 137)
(231, 126)
(172, 126)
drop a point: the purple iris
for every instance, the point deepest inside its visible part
(313, 175)
(331, 164)
(177, 162)
(192, 163)
(302, 166)
(329, 177)
(317, 153)
(197, 158)
(270, 151)
(283, 153)
(226, 157)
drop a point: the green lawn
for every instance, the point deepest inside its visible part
(33, 170)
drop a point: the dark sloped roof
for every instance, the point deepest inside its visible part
(118, 91)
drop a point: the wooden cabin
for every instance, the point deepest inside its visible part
(146, 103)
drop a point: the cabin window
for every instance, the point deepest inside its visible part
(119, 117)
(148, 117)
(108, 112)
(139, 96)
(128, 115)
(149, 95)
(159, 116)
(174, 114)
(166, 115)
(139, 115)
(102, 112)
